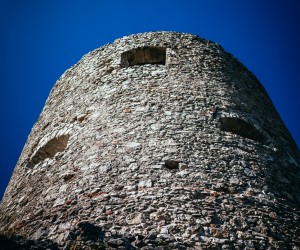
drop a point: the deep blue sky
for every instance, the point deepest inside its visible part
(39, 40)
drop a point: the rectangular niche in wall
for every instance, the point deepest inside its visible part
(143, 55)
(242, 128)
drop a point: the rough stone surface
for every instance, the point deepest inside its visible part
(161, 140)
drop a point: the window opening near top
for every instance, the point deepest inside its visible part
(143, 55)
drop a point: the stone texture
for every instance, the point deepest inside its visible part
(176, 147)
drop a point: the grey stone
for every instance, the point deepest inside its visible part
(160, 140)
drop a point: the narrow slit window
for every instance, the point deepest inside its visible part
(240, 127)
(55, 145)
(143, 55)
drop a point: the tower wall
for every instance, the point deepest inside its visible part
(159, 139)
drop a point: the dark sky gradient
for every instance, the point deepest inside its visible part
(39, 40)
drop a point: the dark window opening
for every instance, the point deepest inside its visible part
(55, 145)
(171, 164)
(144, 55)
(242, 128)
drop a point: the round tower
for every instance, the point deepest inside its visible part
(161, 140)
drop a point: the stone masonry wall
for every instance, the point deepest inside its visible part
(159, 140)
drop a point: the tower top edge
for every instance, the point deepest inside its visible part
(158, 34)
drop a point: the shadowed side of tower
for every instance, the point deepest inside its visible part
(160, 139)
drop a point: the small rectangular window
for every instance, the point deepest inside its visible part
(143, 55)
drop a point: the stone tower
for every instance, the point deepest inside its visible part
(161, 140)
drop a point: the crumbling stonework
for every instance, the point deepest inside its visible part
(160, 140)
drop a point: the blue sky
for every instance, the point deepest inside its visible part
(39, 40)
